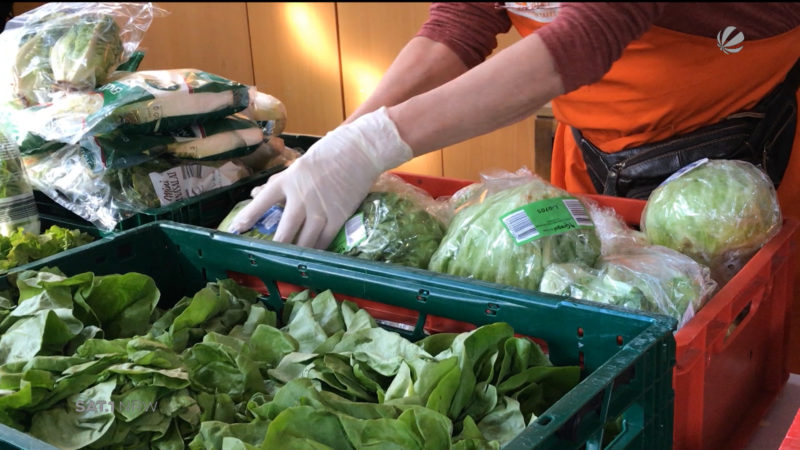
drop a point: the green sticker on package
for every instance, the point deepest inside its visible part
(352, 233)
(546, 218)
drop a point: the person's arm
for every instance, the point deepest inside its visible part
(421, 65)
(456, 37)
(322, 188)
(505, 89)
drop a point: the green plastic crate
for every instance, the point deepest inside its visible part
(627, 358)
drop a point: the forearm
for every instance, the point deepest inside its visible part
(503, 90)
(423, 64)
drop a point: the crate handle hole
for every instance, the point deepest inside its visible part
(302, 268)
(422, 295)
(491, 312)
(544, 420)
(738, 320)
(580, 360)
(252, 260)
(580, 332)
(620, 341)
(200, 252)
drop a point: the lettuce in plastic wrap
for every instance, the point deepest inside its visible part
(478, 244)
(396, 223)
(719, 212)
(650, 278)
(87, 53)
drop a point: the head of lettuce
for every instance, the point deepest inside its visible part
(719, 212)
(510, 227)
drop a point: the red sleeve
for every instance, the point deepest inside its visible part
(586, 38)
(469, 29)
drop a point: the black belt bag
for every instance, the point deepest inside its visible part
(762, 136)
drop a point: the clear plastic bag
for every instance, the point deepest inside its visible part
(647, 278)
(17, 206)
(65, 46)
(106, 197)
(230, 137)
(719, 212)
(396, 223)
(509, 227)
(615, 235)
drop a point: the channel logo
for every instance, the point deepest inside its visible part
(727, 41)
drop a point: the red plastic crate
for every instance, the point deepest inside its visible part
(792, 439)
(731, 358)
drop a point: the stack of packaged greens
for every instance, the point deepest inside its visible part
(106, 141)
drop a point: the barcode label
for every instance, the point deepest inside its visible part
(578, 212)
(191, 171)
(354, 230)
(8, 151)
(520, 226)
(18, 208)
(546, 217)
(268, 223)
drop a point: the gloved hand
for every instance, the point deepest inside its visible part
(323, 188)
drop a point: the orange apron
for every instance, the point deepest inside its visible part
(668, 83)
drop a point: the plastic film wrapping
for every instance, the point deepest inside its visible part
(719, 212)
(396, 223)
(509, 227)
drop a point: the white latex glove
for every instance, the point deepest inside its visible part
(323, 188)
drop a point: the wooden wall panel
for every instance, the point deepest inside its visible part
(371, 35)
(212, 37)
(20, 7)
(508, 148)
(296, 59)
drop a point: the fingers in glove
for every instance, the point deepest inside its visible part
(256, 190)
(312, 227)
(328, 233)
(294, 214)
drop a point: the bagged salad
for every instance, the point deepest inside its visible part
(69, 46)
(397, 223)
(105, 197)
(229, 137)
(648, 278)
(141, 103)
(509, 227)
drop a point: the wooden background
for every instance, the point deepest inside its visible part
(322, 60)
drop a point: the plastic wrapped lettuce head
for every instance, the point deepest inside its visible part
(33, 77)
(650, 278)
(719, 212)
(513, 230)
(85, 55)
(396, 223)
